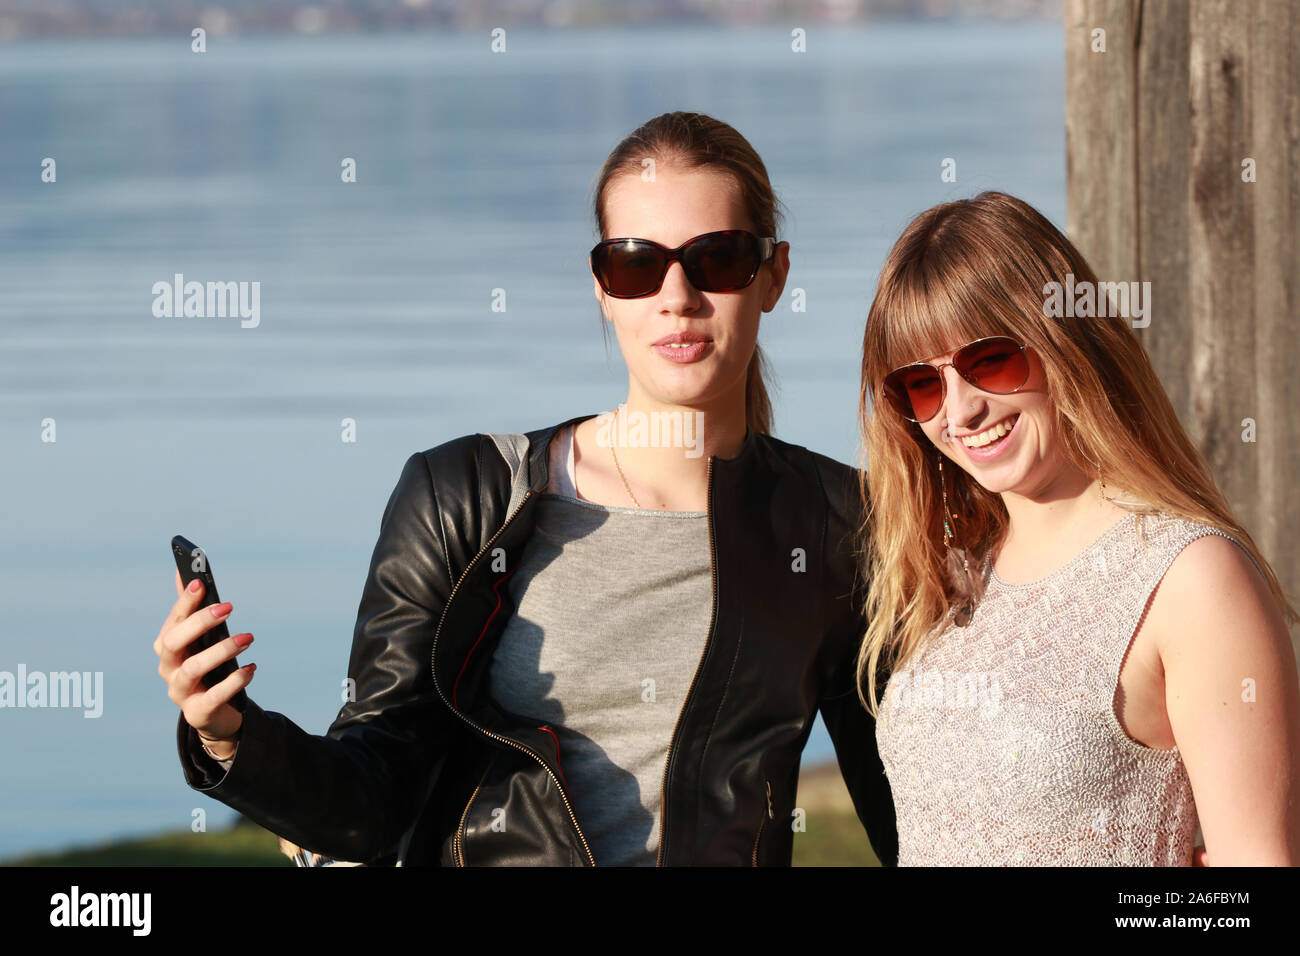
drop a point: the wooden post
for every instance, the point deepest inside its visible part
(1183, 169)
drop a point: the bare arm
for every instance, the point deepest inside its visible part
(1233, 702)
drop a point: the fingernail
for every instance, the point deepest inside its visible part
(220, 610)
(243, 640)
(250, 667)
(194, 586)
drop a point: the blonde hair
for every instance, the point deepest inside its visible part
(965, 270)
(694, 140)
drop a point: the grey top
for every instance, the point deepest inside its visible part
(612, 609)
(1001, 741)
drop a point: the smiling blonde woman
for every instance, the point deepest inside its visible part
(1089, 655)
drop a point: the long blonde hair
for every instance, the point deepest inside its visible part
(698, 141)
(965, 270)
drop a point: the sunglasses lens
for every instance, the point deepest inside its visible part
(996, 365)
(715, 262)
(916, 391)
(628, 269)
(722, 262)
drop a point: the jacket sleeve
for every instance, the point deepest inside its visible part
(352, 793)
(851, 726)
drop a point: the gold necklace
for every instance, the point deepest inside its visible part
(624, 477)
(616, 464)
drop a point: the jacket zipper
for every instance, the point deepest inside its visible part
(483, 730)
(713, 620)
(768, 787)
(457, 847)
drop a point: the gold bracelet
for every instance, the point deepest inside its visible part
(233, 736)
(203, 742)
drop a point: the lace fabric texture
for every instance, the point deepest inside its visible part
(1000, 739)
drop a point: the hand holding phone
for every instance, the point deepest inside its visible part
(192, 563)
(194, 649)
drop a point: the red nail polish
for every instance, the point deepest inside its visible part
(243, 640)
(194, 586)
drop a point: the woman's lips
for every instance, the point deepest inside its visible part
(683, 353)
(993, 449)
(682, 347)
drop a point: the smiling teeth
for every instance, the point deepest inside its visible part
(987, 437)
(681, 345)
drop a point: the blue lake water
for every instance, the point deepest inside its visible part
(474, 172)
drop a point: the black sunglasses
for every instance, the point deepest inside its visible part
(723, 261)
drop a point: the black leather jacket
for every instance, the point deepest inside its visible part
(420, 766)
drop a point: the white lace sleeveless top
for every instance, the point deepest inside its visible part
(1000, 739)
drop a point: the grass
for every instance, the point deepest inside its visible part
(834, 834)
(244, 844)
(834, 837)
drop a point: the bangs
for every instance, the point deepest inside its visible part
(923, 315)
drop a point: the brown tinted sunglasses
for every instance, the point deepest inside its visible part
(997, 364)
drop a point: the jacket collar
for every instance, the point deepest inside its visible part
(539, 443)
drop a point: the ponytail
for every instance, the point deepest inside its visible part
(758, 406)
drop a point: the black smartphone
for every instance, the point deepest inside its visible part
(192, 562)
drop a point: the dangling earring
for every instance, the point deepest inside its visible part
(1137, 516)
(963, 613)
(1102, 489)
(948, 534)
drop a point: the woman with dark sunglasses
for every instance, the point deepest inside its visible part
(603, 642)
(1088, 654)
